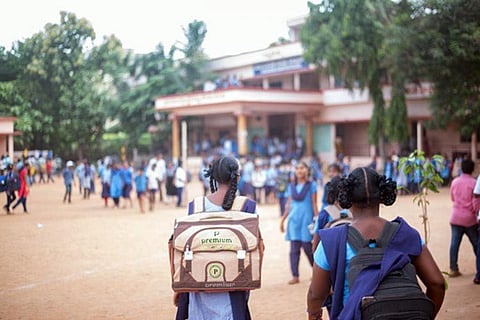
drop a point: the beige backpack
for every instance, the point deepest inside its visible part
(216, 251)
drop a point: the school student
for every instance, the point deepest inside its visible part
(300, 210)
(68, 180)
(363, 191)
(224, 174)
(463, 219)
(141, 188)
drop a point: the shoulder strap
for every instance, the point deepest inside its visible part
(198, 204)
(239, 203)
(333, 211)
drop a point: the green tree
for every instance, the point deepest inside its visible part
(400, 60)
(350, 36)
(449, 46)
(181, 69)
(66, 86)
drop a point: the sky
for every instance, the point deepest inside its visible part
(233, 26)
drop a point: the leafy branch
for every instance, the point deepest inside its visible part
(426, 171)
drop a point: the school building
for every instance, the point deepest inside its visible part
(7, 134)
(274, 93)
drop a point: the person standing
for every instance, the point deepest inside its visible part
(152, 185)
(180, 181)
(68, 180)
(224, 174)
(301, 209)
(105, 173)
(141, 188)
(160, 170)
(116, 184)
(23, 190)
(49, 169)
(127, 174)
(463, 219)
(12, 186)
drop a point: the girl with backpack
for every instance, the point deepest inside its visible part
(224, 174)
(362, 192)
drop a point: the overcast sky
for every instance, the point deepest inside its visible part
(232, 26)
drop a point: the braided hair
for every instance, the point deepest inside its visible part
(364, 187)
(224, 170)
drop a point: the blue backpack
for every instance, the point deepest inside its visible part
(3, 183)
(13, 182)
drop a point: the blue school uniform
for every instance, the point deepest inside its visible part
(300, 215)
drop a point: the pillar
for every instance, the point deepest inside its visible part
(309, 136)
(242, 134)
(419, 136)
(265, 83)
(175, 137)
(296, 81)
(10, 147)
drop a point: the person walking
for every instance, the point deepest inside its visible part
(223, 174)
(152, 185)
(179, 181)
(363, 191)
(116, 184)
(12, 186)
(127, 175)
(141, 188)
(23, 190)
(68, 179)
(463, 219)
(300, 210)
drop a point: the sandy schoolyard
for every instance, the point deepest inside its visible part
(84, 261)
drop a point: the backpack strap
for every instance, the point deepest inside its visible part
(333, 211)
(239, 203)
(197, 205)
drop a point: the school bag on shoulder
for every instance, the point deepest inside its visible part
(216, 251)
(13, 182)
(398, 295)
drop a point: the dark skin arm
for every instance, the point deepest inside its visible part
(431, 276)
(318, 292)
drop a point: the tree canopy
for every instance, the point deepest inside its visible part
(65, 90)
(449, 49)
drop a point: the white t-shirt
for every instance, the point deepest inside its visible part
(152, 183)
(180, 177)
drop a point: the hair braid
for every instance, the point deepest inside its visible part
(230, 195)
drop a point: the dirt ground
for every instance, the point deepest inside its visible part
(84, 261)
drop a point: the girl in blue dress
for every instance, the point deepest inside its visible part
(300, 210)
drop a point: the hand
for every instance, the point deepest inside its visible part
(176, 298)
(282, 226)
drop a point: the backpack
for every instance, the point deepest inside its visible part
(398, 295)
(13, 182)
(282, 181)
(216, 251)
(3, 183)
